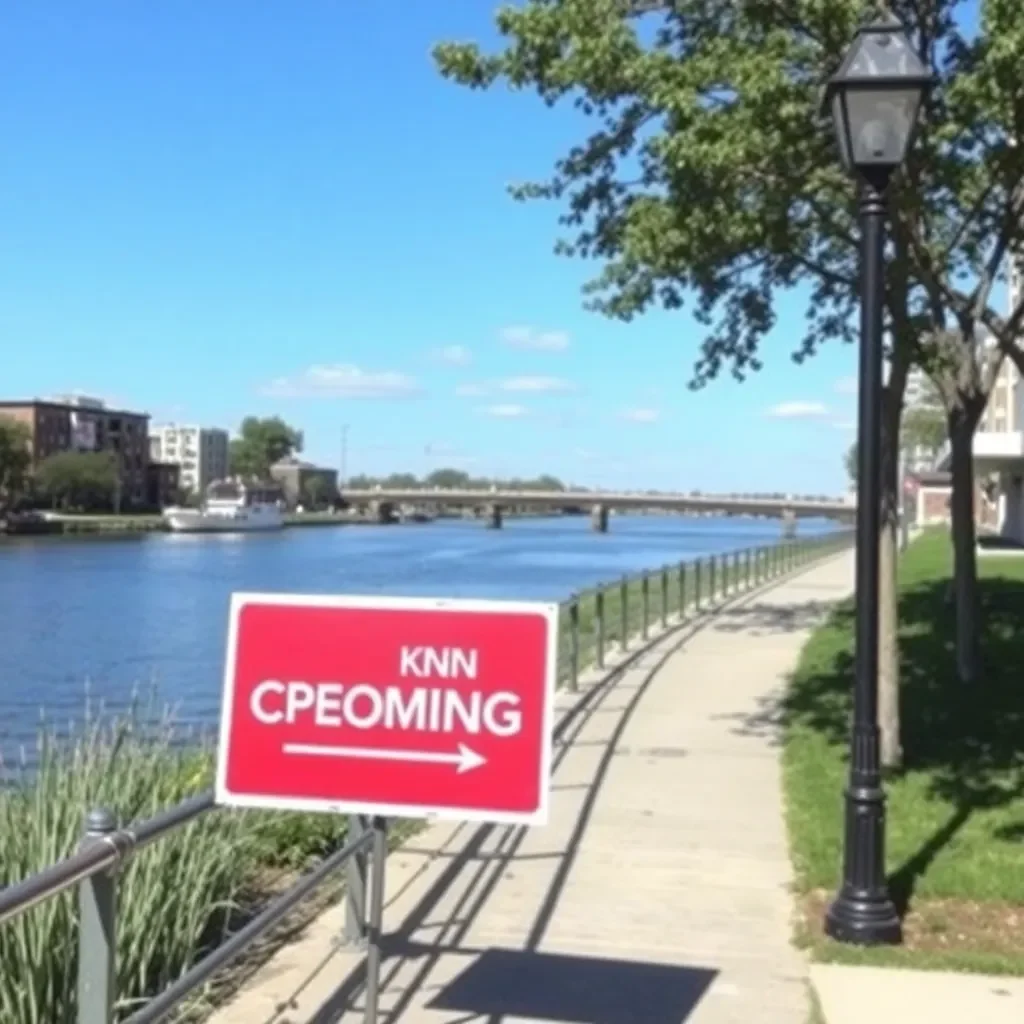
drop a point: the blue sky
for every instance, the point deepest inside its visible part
(215, 209)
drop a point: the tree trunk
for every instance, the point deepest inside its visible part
(891, 749)
(965, 565)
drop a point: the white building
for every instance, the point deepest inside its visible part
(999, 443)
(201, 453)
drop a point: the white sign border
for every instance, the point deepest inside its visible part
(241, 599)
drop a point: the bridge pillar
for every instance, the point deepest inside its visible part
(493, 516)
(382, 511)
(788, 523)
(599, 518)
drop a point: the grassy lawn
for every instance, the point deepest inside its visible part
(956, 811)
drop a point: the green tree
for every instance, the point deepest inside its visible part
(84, 480)
(15, 460)
(261, 443)
(361, 482)
(850, 463)
(452, 479)
(711, 178)
(400, 481)
(924, 429)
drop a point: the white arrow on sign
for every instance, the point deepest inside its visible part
(466, 759)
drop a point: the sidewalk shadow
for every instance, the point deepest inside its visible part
(486, 869)
(503, 983)
(578, 988)
(759, 619)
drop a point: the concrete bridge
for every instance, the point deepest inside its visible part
(383, 504)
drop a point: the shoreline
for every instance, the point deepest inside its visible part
(138, 525)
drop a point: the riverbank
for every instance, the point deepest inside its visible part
(173, 899)
(133, 525)
(955, 811)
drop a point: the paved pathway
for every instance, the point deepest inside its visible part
(658, 893)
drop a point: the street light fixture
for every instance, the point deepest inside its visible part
(874, 99)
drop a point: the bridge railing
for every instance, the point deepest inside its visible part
(619, 615)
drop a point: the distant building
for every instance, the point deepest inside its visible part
(305, 484)
(162, 484)
(201, 453)
(75, 423)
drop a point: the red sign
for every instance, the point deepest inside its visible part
(396, 706)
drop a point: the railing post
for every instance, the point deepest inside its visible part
(697, 584)
(624, 611)
(355, 890)
(574, 643)
(712, 588)
(599, 627)
(664, 597)
(97, 931)
(682, 591)
(645, 596)
(375, 921)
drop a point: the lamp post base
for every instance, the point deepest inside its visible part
(863, 919)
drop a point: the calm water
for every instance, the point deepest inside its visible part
(108, 616)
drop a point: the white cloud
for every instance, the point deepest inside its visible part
(506, 412)
(471, 390)
(640, 415)
(537, 385)
(797, 410)
(343, 380)
(845, 424)
(846, 385)
(538, 341)
(454, 355)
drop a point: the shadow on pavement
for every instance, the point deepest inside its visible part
(525, 982)
(573, 990)
(762, 619)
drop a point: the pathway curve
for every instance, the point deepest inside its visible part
(659, 892)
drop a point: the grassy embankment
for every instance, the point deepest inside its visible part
(956, 809)
(179, 897)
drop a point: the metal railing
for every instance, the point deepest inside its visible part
(592, 621)
(615, 615)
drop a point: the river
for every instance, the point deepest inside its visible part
(107, 617)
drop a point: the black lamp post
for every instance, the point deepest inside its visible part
(874, 99)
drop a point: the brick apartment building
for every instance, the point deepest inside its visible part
(83, 424)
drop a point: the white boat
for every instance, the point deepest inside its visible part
(230, 507)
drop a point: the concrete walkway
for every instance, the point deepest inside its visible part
(658, 893)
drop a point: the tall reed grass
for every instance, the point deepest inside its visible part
(174, 897)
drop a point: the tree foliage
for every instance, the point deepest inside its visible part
(924, 429)
(261, 443)
(710, 176)
(15, 459)
(84, 480)
(455, 479)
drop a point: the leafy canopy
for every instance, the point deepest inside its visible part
(88, 480)
(15, 458)
(261, 443)
(710, 175)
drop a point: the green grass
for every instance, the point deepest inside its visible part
(955, 852)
